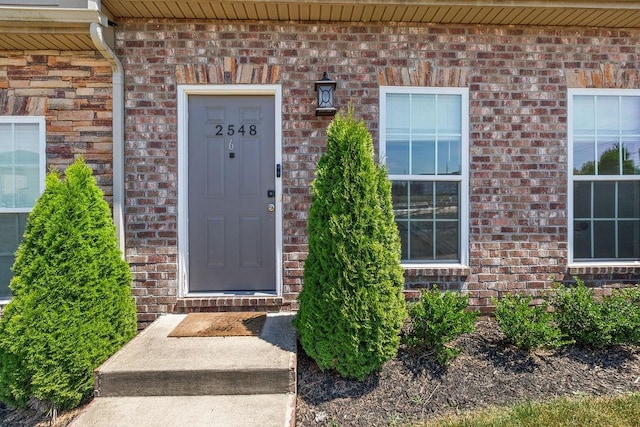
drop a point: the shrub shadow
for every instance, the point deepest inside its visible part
(320, 386)
(614, 357)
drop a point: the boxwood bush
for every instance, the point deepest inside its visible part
(528, 326)
(598, 323)
(437, 319)
(351, 306)
(72, 306)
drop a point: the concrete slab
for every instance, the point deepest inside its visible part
(153, 350)
(153, 364)
(196, 382)
(193, 411)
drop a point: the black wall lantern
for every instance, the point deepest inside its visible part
(325, 88)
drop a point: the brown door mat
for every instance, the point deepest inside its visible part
(220, 325)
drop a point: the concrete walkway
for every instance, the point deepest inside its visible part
(224, 381)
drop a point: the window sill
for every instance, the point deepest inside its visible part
(605, 268)
(450, 270)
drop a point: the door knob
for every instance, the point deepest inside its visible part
(271, 207)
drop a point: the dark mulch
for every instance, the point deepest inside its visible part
(489, 372)
(413, 387)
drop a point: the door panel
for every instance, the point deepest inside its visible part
(231, 168)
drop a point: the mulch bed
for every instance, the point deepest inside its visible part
(413, 387)
(489, 372)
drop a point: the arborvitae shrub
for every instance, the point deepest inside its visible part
(72, 306)
(351, 306)
(437, 319)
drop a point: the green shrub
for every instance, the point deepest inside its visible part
(72, 306)
(437, 319)
(526, 326)
(351, 306)
(614, 320)
(581, 317)
(623, 310)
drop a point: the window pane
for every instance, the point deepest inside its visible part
(400, 198)
(421, 200)
(447, 200)
(6, 146)
(19, 165)
(584, 114)
(447, 240)
(604, 199)
(403, 229)
(397, 156)
(629, 199)
(11, 231)
(582, 199)
(629, 239)
(608, 157)
(423, 157)
(606, 213)
(26, 143)
(423, 114)
(631, 156)
(421, 236)
(584, 156)
(608, 114)
(423, 137)
(581, 239)
(27, 186)
(398, 113)
(630, 112)
(449, 114)
(604, 239)
(449, 158)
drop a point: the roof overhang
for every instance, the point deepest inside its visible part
(67, 28)
(589, 13)
(43, 28)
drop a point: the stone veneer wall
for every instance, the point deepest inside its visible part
(517, 79)
(73, 91)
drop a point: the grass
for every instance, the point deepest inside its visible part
(619, 411)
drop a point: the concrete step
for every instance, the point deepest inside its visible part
(153, 364)
(265, 410)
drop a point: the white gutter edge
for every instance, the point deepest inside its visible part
(118, 129)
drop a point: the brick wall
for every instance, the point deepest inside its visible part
(517, 77)
(73, 91)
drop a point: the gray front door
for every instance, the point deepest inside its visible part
(231, 169)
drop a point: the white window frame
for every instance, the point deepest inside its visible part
(40, 121)
(571, 93)
(463, 178)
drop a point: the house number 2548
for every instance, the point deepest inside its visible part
(232, 130)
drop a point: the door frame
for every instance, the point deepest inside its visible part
(184, 91)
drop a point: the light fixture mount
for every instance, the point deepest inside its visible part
(325, 88)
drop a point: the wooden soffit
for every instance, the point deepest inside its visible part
(582, 13)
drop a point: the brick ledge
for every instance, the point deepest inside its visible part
(452, 271)
(232, 303)
(603, 269)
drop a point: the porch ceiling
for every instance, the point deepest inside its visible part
(613, 14)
